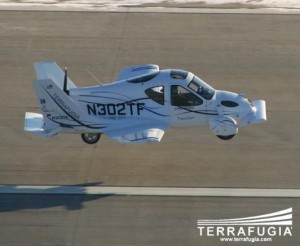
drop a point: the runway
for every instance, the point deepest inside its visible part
(258, 55)
(149, 191)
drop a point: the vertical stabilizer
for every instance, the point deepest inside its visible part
(58, 109)
(50, 70)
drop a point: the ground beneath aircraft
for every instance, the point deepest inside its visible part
(258, 55)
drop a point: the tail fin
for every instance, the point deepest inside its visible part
(58, 110)
(50, 70)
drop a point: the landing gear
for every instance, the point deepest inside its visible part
(90, 138)
(226, 137)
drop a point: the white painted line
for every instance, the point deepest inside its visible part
(149, 191)
(269, 11)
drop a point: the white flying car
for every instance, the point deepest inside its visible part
(138, 107)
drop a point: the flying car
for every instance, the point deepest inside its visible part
(137, 107)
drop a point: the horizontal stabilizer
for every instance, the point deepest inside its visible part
(34, 123)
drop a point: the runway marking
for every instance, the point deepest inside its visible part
(87, 8)
(149, 191)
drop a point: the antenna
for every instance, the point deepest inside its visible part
(94, 77)
(66, 81)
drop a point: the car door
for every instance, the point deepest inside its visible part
(186, 107)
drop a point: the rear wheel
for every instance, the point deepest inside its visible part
(226, 137)
(90, 138)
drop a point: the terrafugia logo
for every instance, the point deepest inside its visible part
(256, 228)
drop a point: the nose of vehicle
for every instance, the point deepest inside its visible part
(232, 101)
(236, 105)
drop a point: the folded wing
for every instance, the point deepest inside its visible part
(144, 136)
(139, 132)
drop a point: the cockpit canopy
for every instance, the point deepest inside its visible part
(191, 81)
(178, 74)
(196, 84)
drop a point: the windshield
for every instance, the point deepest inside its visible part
(201, 88)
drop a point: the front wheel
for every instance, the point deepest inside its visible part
(226, 137)
(90, 138)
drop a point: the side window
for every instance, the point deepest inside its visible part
(156, 94)
(182, 97)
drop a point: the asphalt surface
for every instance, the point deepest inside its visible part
(258, 55)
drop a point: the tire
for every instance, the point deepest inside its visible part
(90, 138)
(226, 137)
